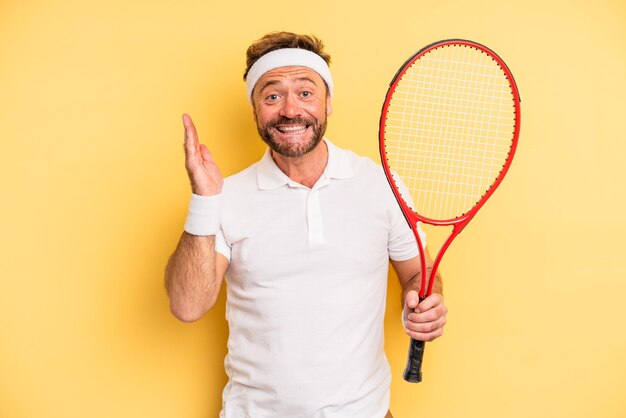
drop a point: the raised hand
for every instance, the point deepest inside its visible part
(204, 174)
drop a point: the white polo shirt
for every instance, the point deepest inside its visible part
(306, 289)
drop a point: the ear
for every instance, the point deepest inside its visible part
(329, 107)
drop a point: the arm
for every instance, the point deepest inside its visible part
(422, 321)
(195, 272)
(193, 276)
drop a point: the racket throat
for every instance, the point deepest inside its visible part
(435, 267)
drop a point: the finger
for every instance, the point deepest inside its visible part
(412, 299)
(191, 136)
(425, 336)
(430, 302)
(432, 314)
(426, 327)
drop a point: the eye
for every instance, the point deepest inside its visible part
(272, 97)
(306, 93)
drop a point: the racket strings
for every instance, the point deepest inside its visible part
(449, 129)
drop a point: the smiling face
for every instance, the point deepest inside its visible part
(290, 109)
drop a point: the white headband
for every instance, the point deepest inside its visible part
(285, 58)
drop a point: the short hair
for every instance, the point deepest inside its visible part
(280, 40)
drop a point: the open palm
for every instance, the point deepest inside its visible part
(203, 172)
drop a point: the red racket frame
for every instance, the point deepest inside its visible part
(460, 222)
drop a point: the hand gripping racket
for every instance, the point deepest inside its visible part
(448, 132)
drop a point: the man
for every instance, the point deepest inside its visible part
(305, 236)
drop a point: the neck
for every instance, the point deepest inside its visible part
(306, 169)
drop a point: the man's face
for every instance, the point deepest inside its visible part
(290, 109)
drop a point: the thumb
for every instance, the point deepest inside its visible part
(412, 299)
(205, 153)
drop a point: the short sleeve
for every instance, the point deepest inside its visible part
(221, 246)
(402, 244)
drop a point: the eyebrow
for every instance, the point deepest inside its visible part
(306, 79)
(269, 83)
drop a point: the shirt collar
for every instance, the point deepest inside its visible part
(339, 166)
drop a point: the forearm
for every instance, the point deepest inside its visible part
(422, 320)
(191, 279)
(415, 284)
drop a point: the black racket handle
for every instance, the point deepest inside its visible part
(413, 371)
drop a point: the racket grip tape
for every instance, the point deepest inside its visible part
(413, 371)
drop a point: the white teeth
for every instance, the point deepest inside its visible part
(292, 129)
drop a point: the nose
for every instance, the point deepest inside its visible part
(291, 107)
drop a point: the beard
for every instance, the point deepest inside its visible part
(295, 149)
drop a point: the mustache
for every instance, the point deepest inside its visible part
(281, 120)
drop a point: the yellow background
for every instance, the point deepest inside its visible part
(94, 196)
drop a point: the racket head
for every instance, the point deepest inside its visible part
(448, 131)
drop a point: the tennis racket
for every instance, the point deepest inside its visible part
(448, 132)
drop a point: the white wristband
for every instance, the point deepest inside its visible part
(204, 215)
